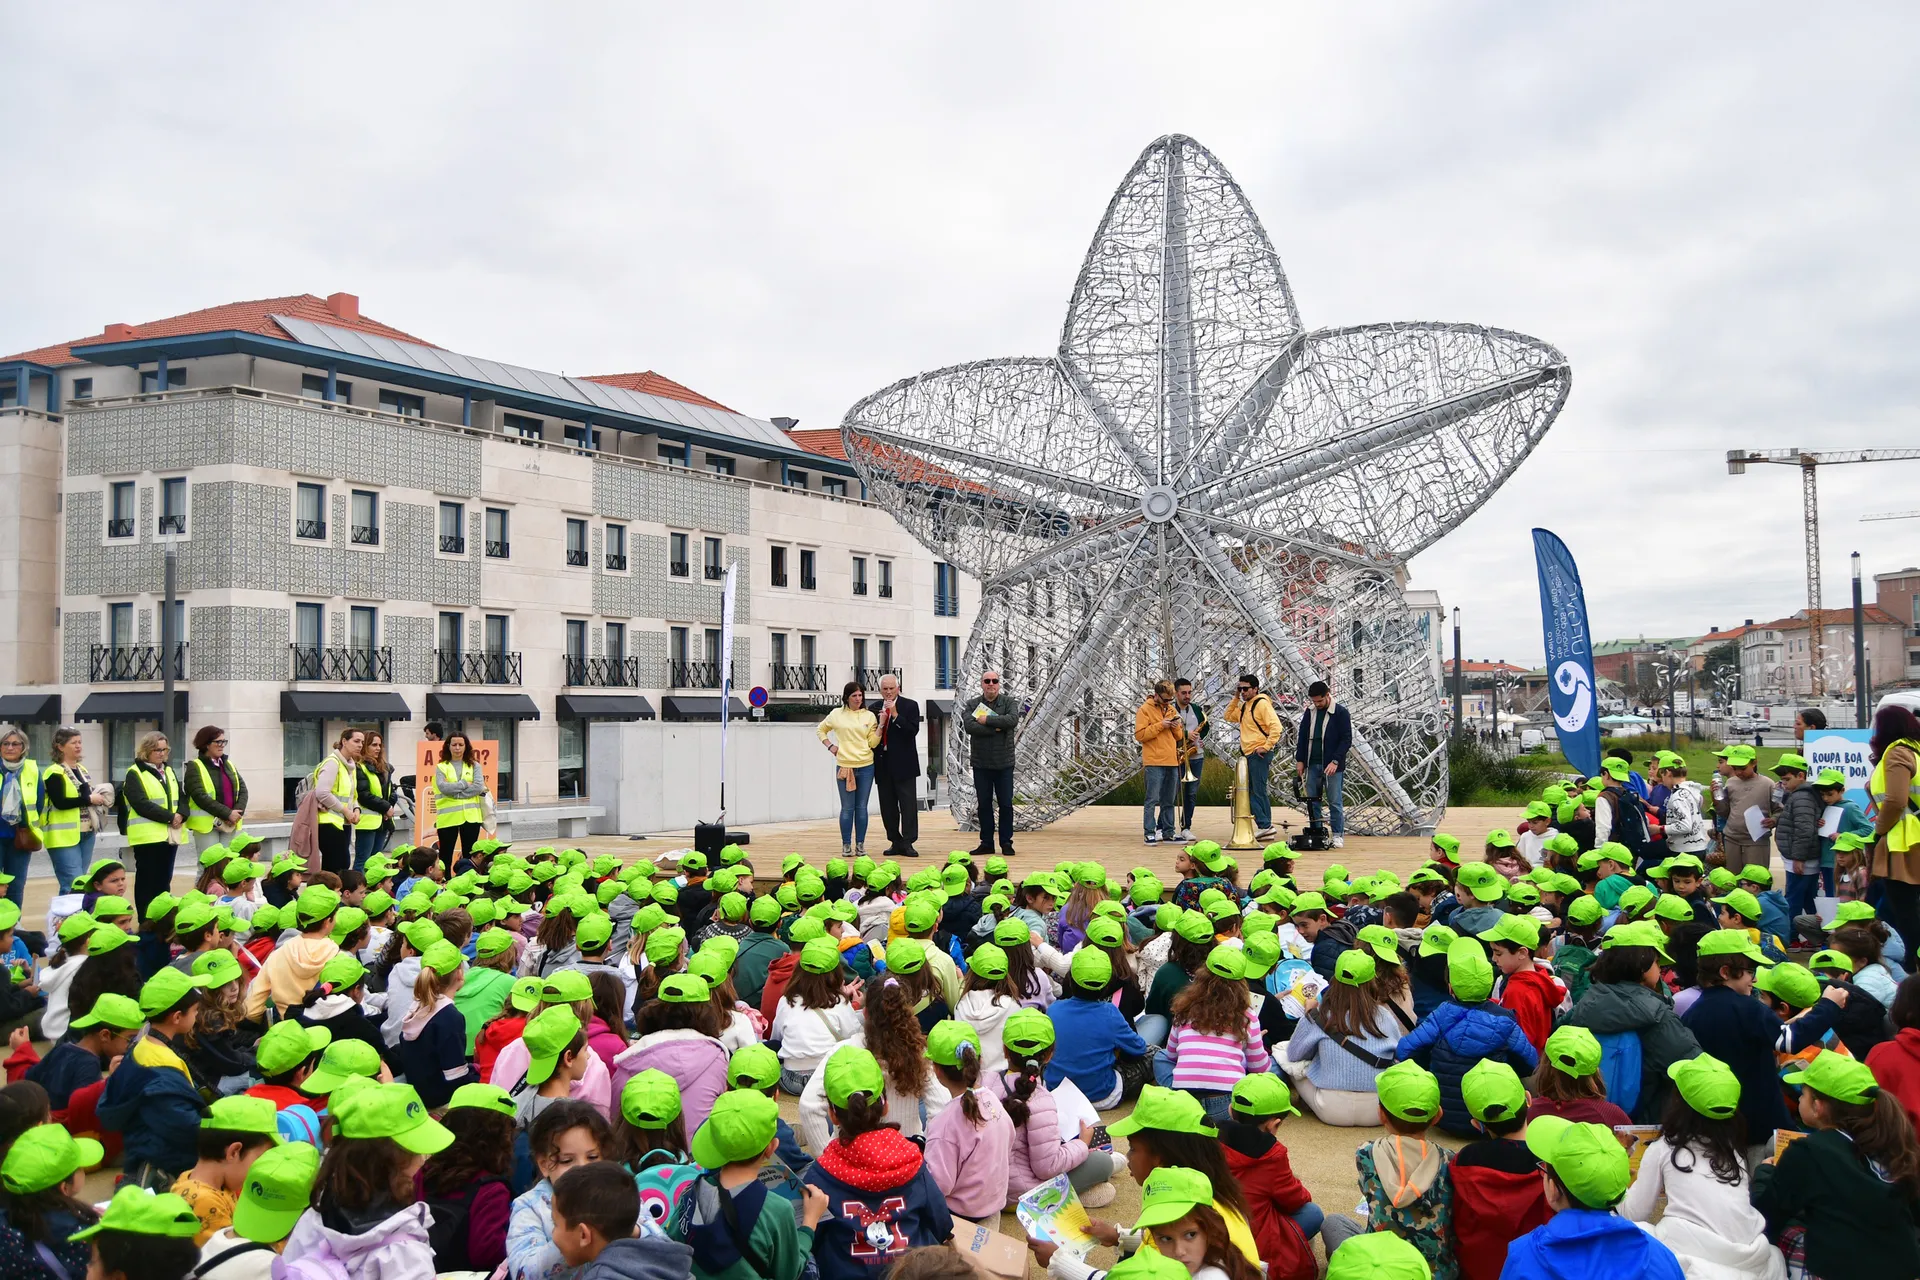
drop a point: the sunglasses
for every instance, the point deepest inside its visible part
(989, 680)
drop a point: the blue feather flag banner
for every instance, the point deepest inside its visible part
(1570, 683)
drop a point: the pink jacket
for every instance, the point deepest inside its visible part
(397, 1249)
(602, 1041)
(596, 1086)
(1039, 1150)
(697, 1063)
(970, 1165)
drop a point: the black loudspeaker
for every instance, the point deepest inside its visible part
(712, 837)
(1312, 839)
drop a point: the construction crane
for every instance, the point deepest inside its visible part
(1809, 463)
(1890, 515)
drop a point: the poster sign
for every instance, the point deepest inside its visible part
(486, 754)
(1845, 750)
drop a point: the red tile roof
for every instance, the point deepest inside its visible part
(1487, 668)
(249, 317)
(1832, 618)
(653, 384)
(825, 442)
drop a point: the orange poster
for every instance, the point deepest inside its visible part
(426, 755)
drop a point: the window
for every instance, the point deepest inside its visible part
(362, 628)
(677, 645)
(807, 580)
(580, 436)
(946, 591)
(521, 425)
(576, 542)
(616, 642)
(712, 639)
(796, 479)
(497, 546)
(173, 504)
(451, 639)
(885, 568)
(300, 754)
(309, 624)
(859, 575)
(716, 568)
(121, 500)
(496, 633)
(886, 655)
(809, 650)
(179, 622)
(833, 486)
(453, 528)
(674, 455)
(860, 659)
(617, 547)
(313, 386)
(11, 393)
(503, 733)
(573, 759)
(310, 511)
(82, 389)
(777, 648)
(778, 559)
(150, 379)
(946, 661)
(366, 518)
(677, 554)
(407, 406)
(576, 641)
(120, 626)
(720, 464)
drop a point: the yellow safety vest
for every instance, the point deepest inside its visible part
(342, 790)
(369, 820)
(1905, 834)
(30, 794)
(454, 813)
(199, 819)
(166, 795)
(60, 828)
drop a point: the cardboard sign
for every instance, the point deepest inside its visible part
(990, 1253)
(426, 755)
(1636, 1138)
(1782, 1139)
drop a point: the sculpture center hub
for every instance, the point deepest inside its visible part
(1159, 503)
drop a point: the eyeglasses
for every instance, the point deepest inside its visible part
(990, 680)
(218, 742)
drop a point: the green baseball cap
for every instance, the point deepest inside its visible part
(1262, 953)
(1261, 1097)
(392, 1111)
(1435, 940)
(213, 855)
(920, 915)
(238, 871)
(339, 1061)
(192, 916)
(1587, 1158)
(1523, 893)
(1354, 968)
(1519, 931)
(315, 903)
(764, 913)
(1493, 1092)
(1028, 1032)
(594, 933)
(1708, 1085)
(950, 1040)
(482, 1097)
(107, 938)
(711, 964)
(1585, 911)
(821, 955)
(1729, 942)
(1741, 902)
(492, 942)
(1227, 962)
(1836, 1076)
(1499, 838)
(1382, 941)
(850, 1070)
(166, 989)
(1790, 762)
(1170, 1194)
(1172, 1110)
(567, 986)
(1638, 933)
(1193, 926)
(685, 988)
(111, 1010)
(526, 993)
(1845, 842)
(287, 1044)
(1092, 969)
(988, 961)
(1831, 959)
(278, 1188)
(46, 1156)
(1722, 880)
(754, 1066)
(1789, 982)
(76, 926)
(141, 1212)
(1410, 1092)
(240, 1113)
(906, 955)
(345, 922)
(1013, 931)
(1573, 1050)
(1469, 971)
(1376, 1255)
(218, 967)
(663, 945)
(651, 1100)
(1632, 900)
(806, 929)
(1671, 906)
(547, 1035)
(1853, 913)
(740, 1127)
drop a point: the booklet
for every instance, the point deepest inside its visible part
(1053, 1213)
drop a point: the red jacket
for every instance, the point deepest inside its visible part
(1259, 1164)
(779, 974)
(494, 1037)
(1896, 1067)
(1497, 1198)
(1533, 996)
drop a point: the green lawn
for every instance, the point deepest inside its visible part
(1697, 753)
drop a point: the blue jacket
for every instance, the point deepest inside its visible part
(66, 1070)
(1336, 937)
(1086, 1035)
(1776, 918)
(1742, 1032)
(1334, 742)
(151, 1100)
(425, 1059)
(1453, 1038)
(1587, 1244)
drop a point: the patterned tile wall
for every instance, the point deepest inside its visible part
(679, 497)
(411, 640)
(651, 648)
(79, 632)
(239, 642)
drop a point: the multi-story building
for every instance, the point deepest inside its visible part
(367, 529)
(1899, 594)
(1777, 658)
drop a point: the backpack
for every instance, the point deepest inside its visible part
(448, 1230)
(665, 1204)
(1630, 827)
(1620, 1068)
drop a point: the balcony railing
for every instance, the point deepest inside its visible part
(173, 524)
(603, 673)
(807, 582)
(497, 549)
(136, 662)
(119, 528)
(715, 572)
(677, 568)
(617, 561)
(800, 679)
(366, 535)
(779, 577)
(352, 663)
(577, 558)
(314, 529)
(869, 677)
(453, 544)
(859, 587)
(455, 666)
(886, 591)
(693, 675)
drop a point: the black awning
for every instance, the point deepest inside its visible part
(30, 708)
(481, 706)
(602, 706)
(131, 706)
(699, 708)
(943, 705)
(343, 704)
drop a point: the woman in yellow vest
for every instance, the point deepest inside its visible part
(19, 810)
(375, 783)
(1895, 862)
(216, 793)
(154, 809)
(68, 797)
(336, 784)
(458, 790)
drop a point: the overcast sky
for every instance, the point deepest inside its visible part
(1710, 208)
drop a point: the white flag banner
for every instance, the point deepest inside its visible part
(726, 675)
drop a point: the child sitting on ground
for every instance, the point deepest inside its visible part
(1467, 1029)
(738, 1230)
(968, 1142)
(1176, 1206)
(1586, 1176)
(232, 1135)
(1497, 1192)
(1280, 1210)
(566, 1134)
(1403, 1176)
(595, 1209)
(1531, 991)
(1568, 1083)
(142, 1237)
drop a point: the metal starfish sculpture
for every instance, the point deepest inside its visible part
(1196, 485)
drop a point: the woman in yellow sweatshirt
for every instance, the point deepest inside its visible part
(851, 733)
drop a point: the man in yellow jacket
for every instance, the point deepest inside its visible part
(1253, 711)
(1157, 728)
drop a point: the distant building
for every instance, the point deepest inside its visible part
(1898, 593)
(1777, 660)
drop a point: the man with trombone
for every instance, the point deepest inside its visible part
(1158, 728)
(1194, 721)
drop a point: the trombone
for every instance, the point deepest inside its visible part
(1187, 752)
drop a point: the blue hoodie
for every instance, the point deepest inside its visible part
(1454, 1037)
(1589, 1244)
(152, 1101)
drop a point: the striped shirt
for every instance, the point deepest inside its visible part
(1204, 1061)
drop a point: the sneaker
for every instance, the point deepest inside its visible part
(1269, 835)
(1006, 851)
(1184, 836)
(1099, 1197)
(1339, 842)
(846, 851)
(1152, 837)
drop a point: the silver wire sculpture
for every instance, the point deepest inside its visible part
(1196, 485)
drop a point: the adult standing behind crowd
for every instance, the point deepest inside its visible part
(1320, 757)
(19, 809)
(850, 732)
(153, 809)
(334, 785)
(374, 788)
(1253, 711)
(896, 765)
(1895, 860)
(458, 792)
(1157, 728)
(216, 793)
(990, 720)
(71, 796)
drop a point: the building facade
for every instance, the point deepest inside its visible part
(369, 530)
(1899, 594)
(1777, 660)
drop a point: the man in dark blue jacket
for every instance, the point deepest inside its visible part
(1320, 757)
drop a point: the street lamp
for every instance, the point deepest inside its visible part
(1860, 674)
(1457, 686)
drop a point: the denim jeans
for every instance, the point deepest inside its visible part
(366, 844)
(1331, 786)
(69, 862)
(1163, 793)
(15, 863)
(1309, 1219)
(853, 805)
(1258, 763)
(1801, 891)
(1153, 1027)
(994, 790)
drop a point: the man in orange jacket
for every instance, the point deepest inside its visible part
(1158, 730)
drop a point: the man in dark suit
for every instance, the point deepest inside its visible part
(896, 763)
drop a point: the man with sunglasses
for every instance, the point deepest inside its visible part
(990, 720)
(1252, 711)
